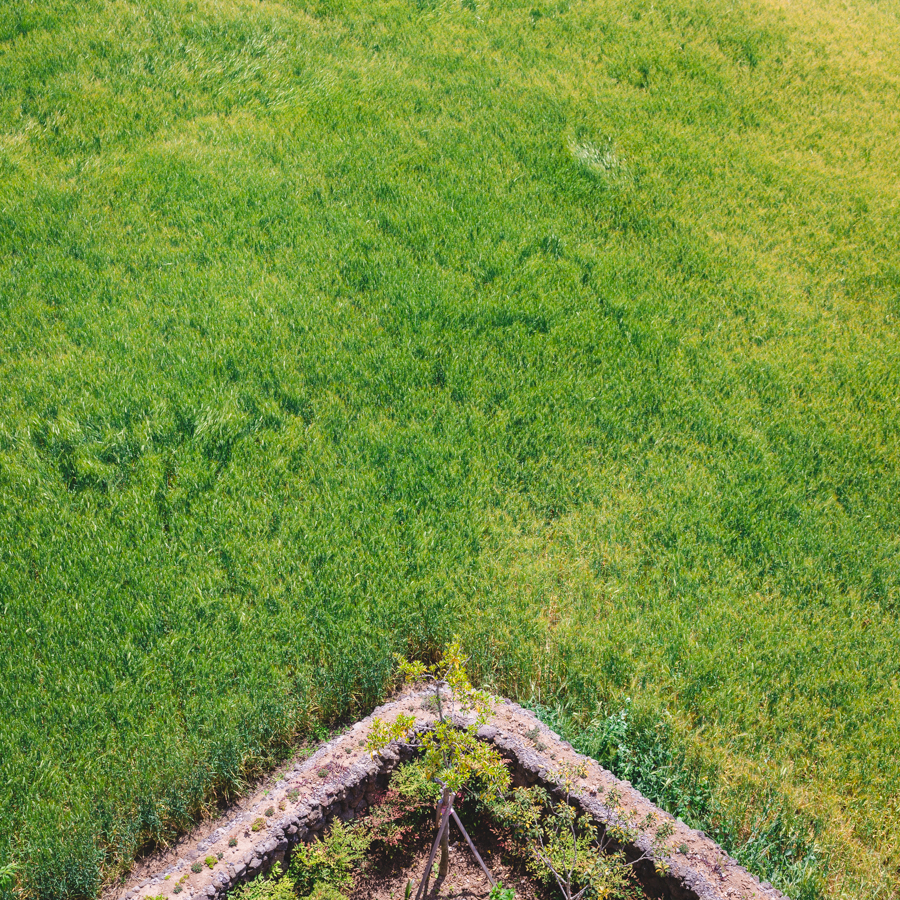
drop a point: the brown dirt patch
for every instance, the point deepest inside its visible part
(387, 877)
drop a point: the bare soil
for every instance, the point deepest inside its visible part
(386, 877)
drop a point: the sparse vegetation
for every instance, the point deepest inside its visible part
(567, 850)
(329, 330)
(534, 735)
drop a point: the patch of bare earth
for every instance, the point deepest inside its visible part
(386, 877)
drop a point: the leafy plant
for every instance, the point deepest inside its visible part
(196, 867)
(498, 892)
(330, 860)
(210, 861)
(277, 886)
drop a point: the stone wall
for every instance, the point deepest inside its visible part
(341, 779)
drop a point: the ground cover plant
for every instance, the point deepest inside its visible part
(332, 329)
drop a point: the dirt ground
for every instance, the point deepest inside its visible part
(387, 878)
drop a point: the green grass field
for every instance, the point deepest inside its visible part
(330, 329)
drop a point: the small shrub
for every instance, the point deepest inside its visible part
(270, 811)
(293, 794)
(210, 861)
(177, 889)
(534, 735)
(411, 781)
(220, 855)
(330, 860)
(498, 892)
(276, 887)
(564, 848)
(258, 824)
(407, 806)
(232, 842)
(196, 867)
(323, 891)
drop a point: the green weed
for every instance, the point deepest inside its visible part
(777, 843)
(329, 860)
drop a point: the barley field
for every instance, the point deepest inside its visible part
(331, 329)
